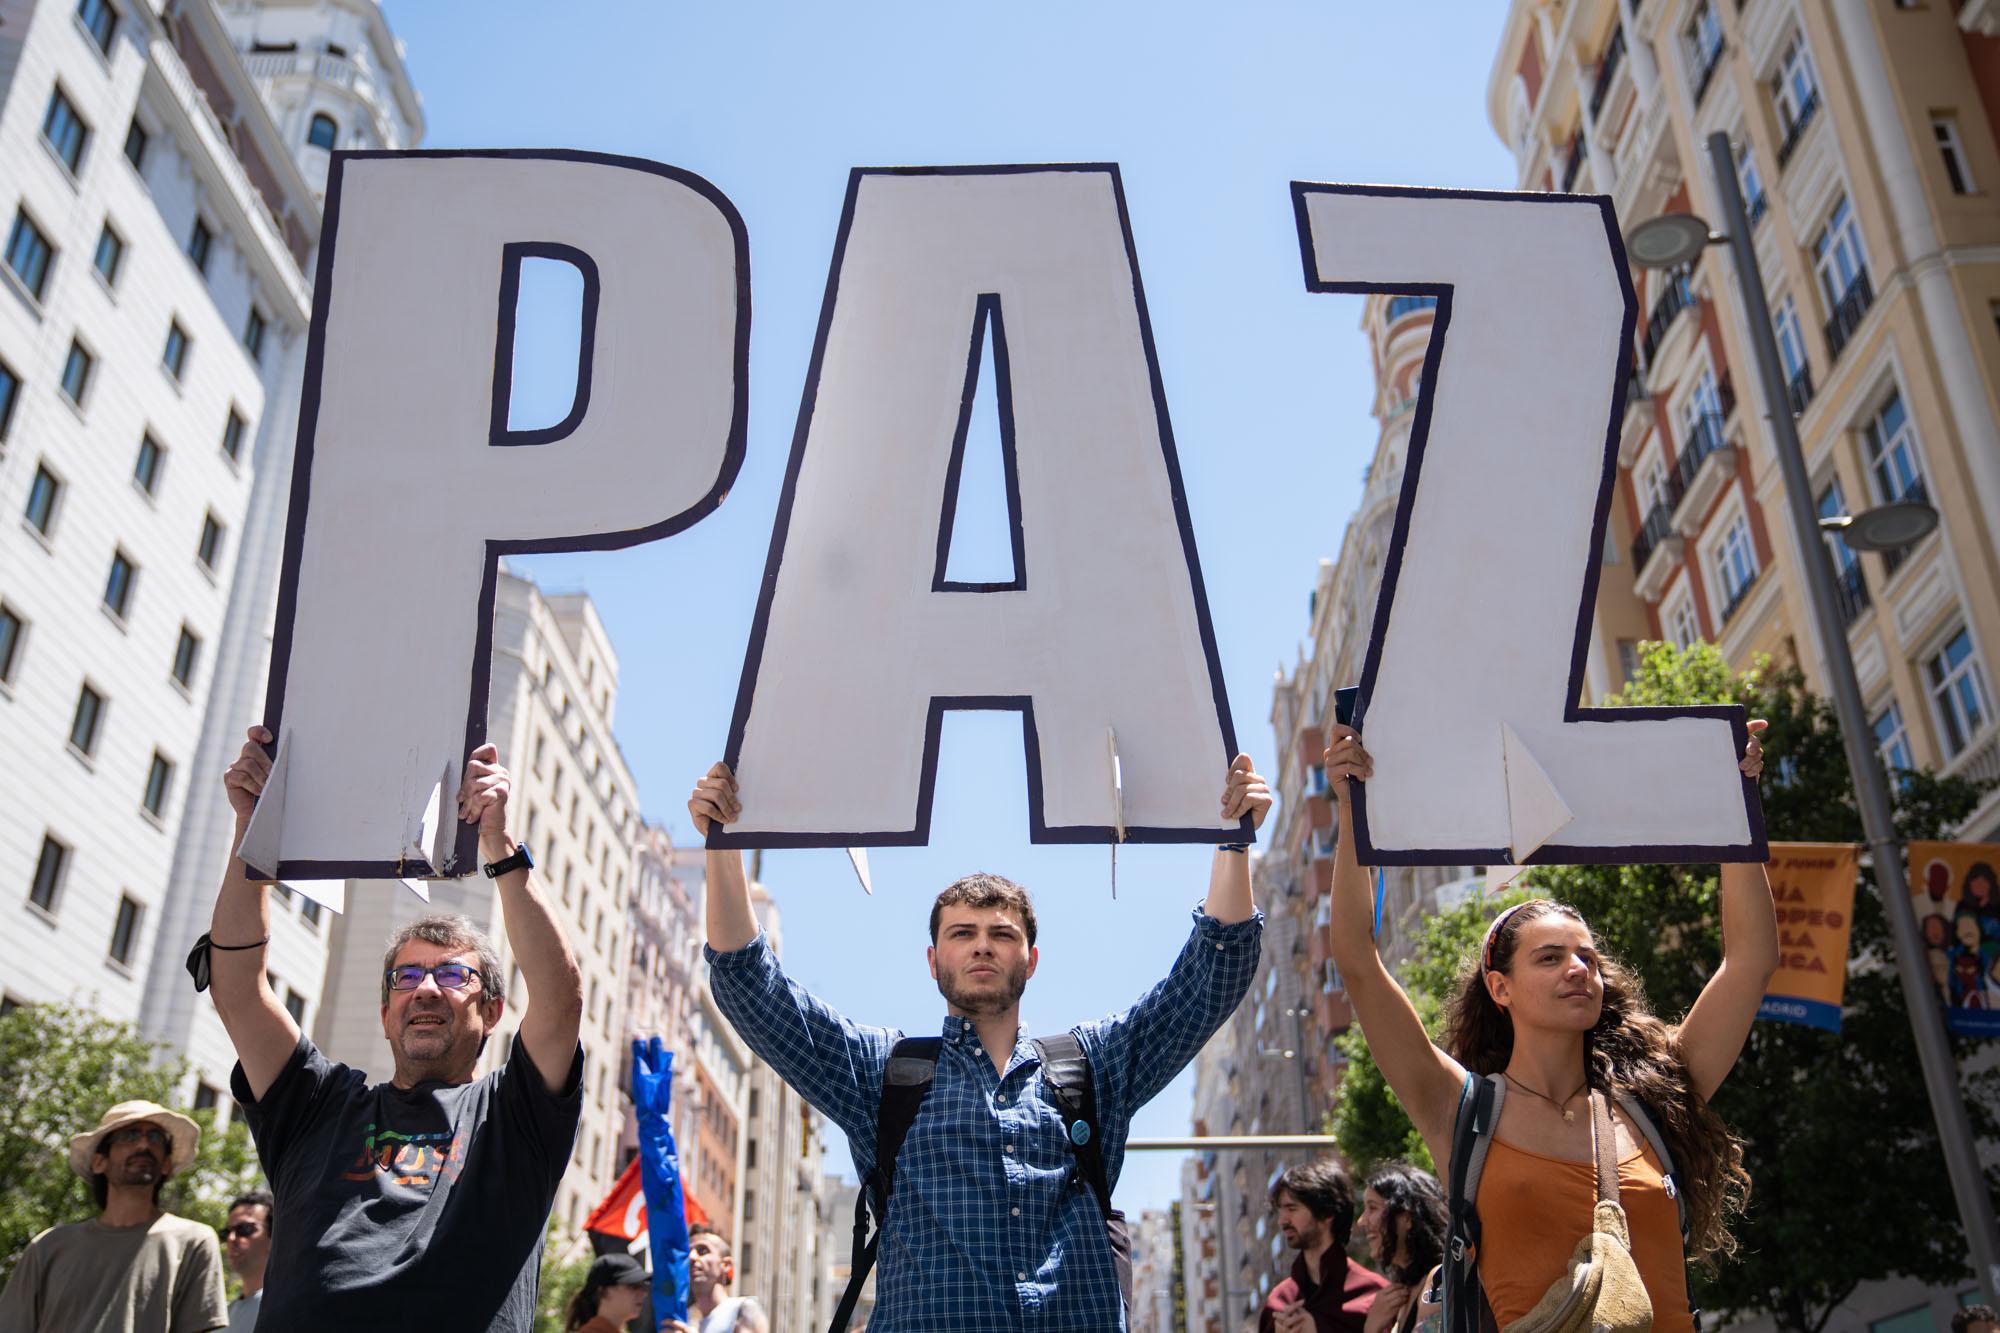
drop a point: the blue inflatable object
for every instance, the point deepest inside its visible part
(660, 1177)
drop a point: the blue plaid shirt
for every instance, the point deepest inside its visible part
(989, 1227)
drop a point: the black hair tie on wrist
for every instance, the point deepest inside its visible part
(197, 959)
(1240, 848)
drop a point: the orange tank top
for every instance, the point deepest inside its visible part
(1534, 1209)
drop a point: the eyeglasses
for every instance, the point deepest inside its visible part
(245, 1230)
(135, 1134)
(450, 976)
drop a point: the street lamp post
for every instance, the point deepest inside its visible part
(1961, 1154)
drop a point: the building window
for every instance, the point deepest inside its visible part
(324, 133)
(10, 391)
(1735, 561)
(310, 911)
(1958, 693)
(88, 719)
(295, 1005)
(29, 254)
(253, 333)
(77, 369)
(159, 784)
(120, 583)
(136, 140)
(209, 550)
(12, 630)
(1890, 446)
(1795, 94)
(1628, 660)
(146, 471)
(206, 1096)
(125, 932)
(110, 255)
(49, 868)
(232, 435)
(1682, 627)
(1842, 266)
(187, 653)
(200, 241)
(1749, 180)
(1792, 351)
(1957, 168)
(1892, 740)
(100, 20)
(1701, 39)
(64, 131)
(43, 496)
(175, 357)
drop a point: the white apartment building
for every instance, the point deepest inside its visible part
(159, 236)
(554, 691)
(1154, 1247)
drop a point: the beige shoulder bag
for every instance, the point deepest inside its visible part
(1602, 1291)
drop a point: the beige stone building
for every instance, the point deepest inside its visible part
(1864, 140)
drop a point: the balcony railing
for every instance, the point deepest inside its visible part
(1756, 206)
(1736, 598)
(1850, 593)
(1797, 129)
(1677, 297)
(1659, 526)
(1799, 390)
(1847, 315)
(1614, 55)
(1711, 60)
(1704, 437)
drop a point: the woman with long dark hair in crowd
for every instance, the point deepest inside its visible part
(1568, 1033)
(1404, 1216)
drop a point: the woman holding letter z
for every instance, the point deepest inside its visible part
(1555, 1092)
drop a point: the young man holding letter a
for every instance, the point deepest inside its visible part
(420, 1201)
(995, 1217)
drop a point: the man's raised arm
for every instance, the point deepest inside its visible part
(534, 936)
(732, 923)
(1243, 793)
(239, 934)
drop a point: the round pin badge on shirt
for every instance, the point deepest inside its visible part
(1079, 1133)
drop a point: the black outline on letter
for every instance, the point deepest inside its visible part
(918, 834)
(511, 256)
(1757, 849)
(988, 308)
(466, 852)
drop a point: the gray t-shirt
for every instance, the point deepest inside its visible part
(392, 1200)
(243, 1312)
(164, 1277)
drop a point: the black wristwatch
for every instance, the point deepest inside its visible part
(520, 860)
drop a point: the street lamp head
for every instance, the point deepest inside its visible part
(1888, 527)
(1669, 242)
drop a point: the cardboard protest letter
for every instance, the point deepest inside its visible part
(1469, 690)
(862, 642)
(409, 485)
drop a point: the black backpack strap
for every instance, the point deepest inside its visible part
(1066, 1078)
(1472, 1131)
(906, 1081)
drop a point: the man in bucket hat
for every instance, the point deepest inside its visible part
(133, 1268)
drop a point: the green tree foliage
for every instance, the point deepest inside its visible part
(61, 1068)
(1838, 1134)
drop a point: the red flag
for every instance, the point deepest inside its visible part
(623, 1212)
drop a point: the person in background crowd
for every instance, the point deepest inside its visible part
(134, 1268)
(246, 1244)
(611, 1297)
(1327, 1291)
(1975, 1319)
(1405, 1218)
(711, 1271)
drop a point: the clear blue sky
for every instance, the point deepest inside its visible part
(1211, 111)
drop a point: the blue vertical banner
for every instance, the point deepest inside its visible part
(660, 1176)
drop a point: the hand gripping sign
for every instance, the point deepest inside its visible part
(1470, 685)
(408, 485)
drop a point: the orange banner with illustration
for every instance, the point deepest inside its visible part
(1812, 885)
(1957, 896)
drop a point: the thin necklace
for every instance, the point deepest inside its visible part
(1563, 1105)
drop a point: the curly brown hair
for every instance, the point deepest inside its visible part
(982, 890)
(1627, 1051)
